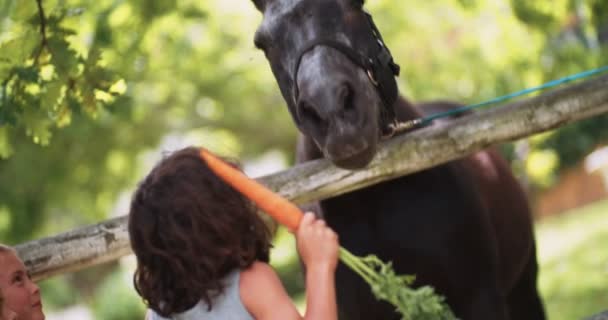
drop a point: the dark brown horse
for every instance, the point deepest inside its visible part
(463, 227)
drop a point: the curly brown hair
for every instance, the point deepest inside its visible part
(188, 230)
(1, 303)
(4, 249)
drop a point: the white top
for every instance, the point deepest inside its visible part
(227, 306)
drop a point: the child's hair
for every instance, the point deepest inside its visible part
(4, 249)
(189, 229)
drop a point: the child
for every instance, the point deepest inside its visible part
(202, 250)
(20, 295)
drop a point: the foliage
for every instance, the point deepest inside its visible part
(572, 257)
(44, 79)
(116, 299)
(573, 40)
(63, 295)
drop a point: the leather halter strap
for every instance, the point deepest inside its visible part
(378, 65)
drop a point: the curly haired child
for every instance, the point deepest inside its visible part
(202, 250)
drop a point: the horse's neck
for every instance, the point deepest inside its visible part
(405, 110)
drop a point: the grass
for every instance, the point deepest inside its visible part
(573, 256)
(572, 252)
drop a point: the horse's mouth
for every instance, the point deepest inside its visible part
(355, 161)
(353, 151)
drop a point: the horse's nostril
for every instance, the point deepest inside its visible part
(308, 113)
(345, 95)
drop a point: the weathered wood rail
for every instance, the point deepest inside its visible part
(425, 148)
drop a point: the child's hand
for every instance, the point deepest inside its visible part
(317, 243)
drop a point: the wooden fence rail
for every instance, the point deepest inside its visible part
(425, 148)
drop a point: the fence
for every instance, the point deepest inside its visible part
(317, 180)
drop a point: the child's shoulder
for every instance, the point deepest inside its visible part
(259, 284)
(258, 273)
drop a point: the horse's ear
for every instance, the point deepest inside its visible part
(260, 4)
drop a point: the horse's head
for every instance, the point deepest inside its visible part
(334, 72)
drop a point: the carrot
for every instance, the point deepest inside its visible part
(279, 208)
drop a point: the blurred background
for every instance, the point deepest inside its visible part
(93, 92)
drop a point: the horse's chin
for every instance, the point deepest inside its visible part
(356, 161)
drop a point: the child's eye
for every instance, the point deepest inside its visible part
(18, 279)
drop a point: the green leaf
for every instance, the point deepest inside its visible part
(52, 94)
(64, 58)
(37, 126)
(89, 101)
(28, 74)
(93, 57)
(24, 10)
(73, 103)
(153, 9)
(101, 78)
(8, 112)
(17, 50)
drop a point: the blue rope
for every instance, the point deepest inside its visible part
(585, 74)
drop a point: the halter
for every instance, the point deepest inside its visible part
(379, 67)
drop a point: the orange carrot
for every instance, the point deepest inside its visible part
(279, 208)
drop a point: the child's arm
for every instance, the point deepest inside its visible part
(263, 293)
(319, 250)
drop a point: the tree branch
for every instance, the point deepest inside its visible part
(44, 41)
(36, 56)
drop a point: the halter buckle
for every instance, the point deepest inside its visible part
(370, 75)
(391, 129)
(397, 127)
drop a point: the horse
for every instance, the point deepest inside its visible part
(464, 227)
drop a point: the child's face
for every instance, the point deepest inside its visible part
(21, 294)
